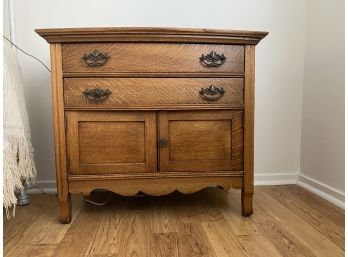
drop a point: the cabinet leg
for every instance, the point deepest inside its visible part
(247, 203)
(65, 210)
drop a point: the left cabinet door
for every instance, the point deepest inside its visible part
(111, 142)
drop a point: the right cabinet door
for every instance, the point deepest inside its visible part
(200, 141)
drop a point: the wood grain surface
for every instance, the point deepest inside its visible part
(157, 185)
(207, 223)
(201, 141)
(148, 34)
(152, 57)
(59, 133)
(111, 142)
(249, 98)
(152, 92)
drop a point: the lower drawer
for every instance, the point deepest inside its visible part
(138, 92)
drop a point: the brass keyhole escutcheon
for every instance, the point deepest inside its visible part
(163, 142)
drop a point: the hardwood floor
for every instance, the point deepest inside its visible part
(287, 221)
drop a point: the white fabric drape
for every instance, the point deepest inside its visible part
(18, 152)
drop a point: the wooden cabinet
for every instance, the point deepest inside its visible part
(152, 110)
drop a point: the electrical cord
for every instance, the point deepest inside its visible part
(32, 56)
(84, 198)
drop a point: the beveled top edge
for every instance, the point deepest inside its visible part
(56, 35)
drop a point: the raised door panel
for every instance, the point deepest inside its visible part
(111, 142)
(201, 141)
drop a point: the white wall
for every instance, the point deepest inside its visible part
(279, 62)
(5, 19)
(322, 151)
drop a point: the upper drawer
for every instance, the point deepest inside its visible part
(150, 57)
(152, 92)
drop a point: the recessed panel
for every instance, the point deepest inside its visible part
(111, 142)
(200, 140)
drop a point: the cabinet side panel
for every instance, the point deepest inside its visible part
(249, 119)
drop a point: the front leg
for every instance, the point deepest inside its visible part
(247, 203)
(64, 208)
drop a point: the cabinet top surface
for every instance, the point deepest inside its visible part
(149, 34)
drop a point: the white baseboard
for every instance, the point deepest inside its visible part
(47, 186)
(272, 179)
(326, 192)
(261, 179)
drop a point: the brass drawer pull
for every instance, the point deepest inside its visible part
(212, 59)
(95, 58)
(97, 94)
(212, 93)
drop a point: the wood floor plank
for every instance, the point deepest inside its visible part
(47, 229)
(224, 243)
(38, 250)
(162, 216)
(286, 243)
(207, 209)
(186, 209)
(318, 244)
(23, 215)
(257, 245)
(281, 237)
(17, 229)
(80, 234)
(122, 231)
(193, 241)
(287, 221)
(231, 212)
(165, 244)
(314, 202)
(312, 216)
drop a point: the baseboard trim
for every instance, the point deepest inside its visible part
(273, 179)
(324, 191)
(43, 186)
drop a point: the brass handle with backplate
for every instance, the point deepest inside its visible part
(97, 94)
(95, 58)
(211, 93)
(212, 59)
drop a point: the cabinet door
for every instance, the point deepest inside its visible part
(105, 142)
(201, 141)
